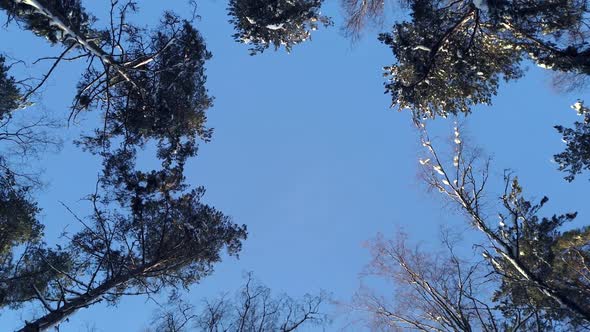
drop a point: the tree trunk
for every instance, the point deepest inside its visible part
(56, 316)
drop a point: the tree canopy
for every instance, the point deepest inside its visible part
(471, 46)
(576, 157)
(149, 230)
(277, 23)
(450, 56)
(531, 273)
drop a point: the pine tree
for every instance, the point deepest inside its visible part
(576, 157)
(10, 94)
(452, 55)
(147, 230)
(277, 23)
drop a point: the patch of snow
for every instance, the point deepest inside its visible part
(544, 66)
(438, 169)
(422, 48)
(577, 106)
(275, 26)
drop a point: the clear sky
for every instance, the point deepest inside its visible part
(307, 154)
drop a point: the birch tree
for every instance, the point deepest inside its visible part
(436, 290)
(536, 259)
(529, 273)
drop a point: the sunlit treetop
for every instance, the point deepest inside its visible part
(262, 24)
(452, 55)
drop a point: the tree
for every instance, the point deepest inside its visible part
(9, 92)
(21, 232)
(254, 308)
(437, 291)
(147, 230)
(59, 21)
(448, 59)
(159, 237)
(23, 139)
(359, 13)
(576, 157)
(533, 275)
(19, 226)
(164, 101)
(149, 85)
(66, 22)
(452, 55)
(537, 261)
(277, 22)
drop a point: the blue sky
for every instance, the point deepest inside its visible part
(307, 153)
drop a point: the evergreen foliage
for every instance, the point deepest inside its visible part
(9, 92)
(576, 157)
(277, 23)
